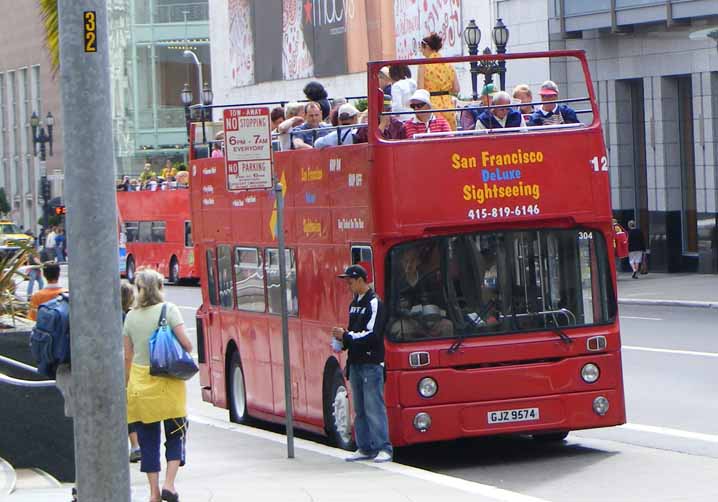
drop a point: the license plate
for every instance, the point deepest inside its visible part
(519, 415)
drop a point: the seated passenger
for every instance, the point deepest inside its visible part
(550, 113)
(522, 94)
(276, 116)
(294, 116)
(347, 116)
(470, 116)
(389, 126)
(402, 89)
(498, 118)
(313, 120)
(314, 91)
(424, 120)
(217, 150)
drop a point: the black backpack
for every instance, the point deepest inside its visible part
(50, 338)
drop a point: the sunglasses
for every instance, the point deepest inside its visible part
(416, 106)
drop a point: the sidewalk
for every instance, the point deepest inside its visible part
(671, 290)
(229, 463)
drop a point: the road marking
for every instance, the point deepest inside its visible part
(672, 351)
(667, 431)
(641, 318)
(404, 470)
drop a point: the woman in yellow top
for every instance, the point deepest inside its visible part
(439, 79)
(153, 400)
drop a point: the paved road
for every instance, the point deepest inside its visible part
(667, 452)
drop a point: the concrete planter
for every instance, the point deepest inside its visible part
(35, 430)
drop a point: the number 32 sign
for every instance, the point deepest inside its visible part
(90, 18)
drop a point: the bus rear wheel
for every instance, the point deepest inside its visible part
(237, 392)
(551, 437)
(174, 271)
(337, 413)
(130, 269)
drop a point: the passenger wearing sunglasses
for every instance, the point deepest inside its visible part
(424, 119)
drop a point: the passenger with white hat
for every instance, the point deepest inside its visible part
(424, 120)
(348, 116)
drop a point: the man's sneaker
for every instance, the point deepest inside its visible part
(135, 455)
(382, 456)
(359, 455)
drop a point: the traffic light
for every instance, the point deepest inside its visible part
(60, 210)
(45, 189)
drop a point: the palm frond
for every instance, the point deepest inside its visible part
(48, 12)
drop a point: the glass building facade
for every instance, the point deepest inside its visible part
(149, 72)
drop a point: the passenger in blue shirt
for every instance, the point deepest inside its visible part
(312, 120)
(550, 113)
(348, 116)
(499, 118)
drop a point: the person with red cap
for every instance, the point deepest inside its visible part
(364, 339)
(551, 113)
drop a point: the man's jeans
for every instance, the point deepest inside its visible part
(370, 423)
(34, 275)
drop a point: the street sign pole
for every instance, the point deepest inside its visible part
(96, 380)
(285, 320)
(248, 166)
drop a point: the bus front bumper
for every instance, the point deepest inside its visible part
(561, 412)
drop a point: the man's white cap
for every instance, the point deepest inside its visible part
(347, 110)
(421, 95)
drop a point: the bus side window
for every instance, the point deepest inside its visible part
(249, 279)
(132, 231)
(271, 264)
(188, 234)
(158, 231)
(145, 234)
(211, 278)
(362, 255)
(224, 269)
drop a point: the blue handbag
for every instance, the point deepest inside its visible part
(167, 357)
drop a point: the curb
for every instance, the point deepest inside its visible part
(667, 303)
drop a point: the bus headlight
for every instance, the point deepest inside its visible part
(422, 422)
(590, 373)
(600, 405)
(428, 387)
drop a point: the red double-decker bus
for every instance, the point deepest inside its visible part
(158, 233)
(491, 250)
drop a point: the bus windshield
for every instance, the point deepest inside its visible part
(498, 282)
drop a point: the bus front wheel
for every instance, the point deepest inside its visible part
(237, 392)
(338, 415)
(130, 269)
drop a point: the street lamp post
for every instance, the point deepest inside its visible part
(500, 34)
(40, 137)
(186, 97)
(472, 37)
(501, 38)
(207, 98)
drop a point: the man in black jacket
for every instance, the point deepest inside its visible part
(364, 339)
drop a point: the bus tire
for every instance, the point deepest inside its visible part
(236, 388)
(173, 276)
(551, 437)
(130, 269)
(337, 412)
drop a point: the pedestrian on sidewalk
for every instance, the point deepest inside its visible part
(127, 296)
(636, 247)
(154, 402)
(364, 339)
(50, 245)
(34, 274)
(60, 243)
(51, 271)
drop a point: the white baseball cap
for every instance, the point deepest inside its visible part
(347, 110)
(421, 95)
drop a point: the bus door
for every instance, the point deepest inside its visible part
(213, 332)
(296, 350)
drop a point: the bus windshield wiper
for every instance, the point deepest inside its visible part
(564, 337)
